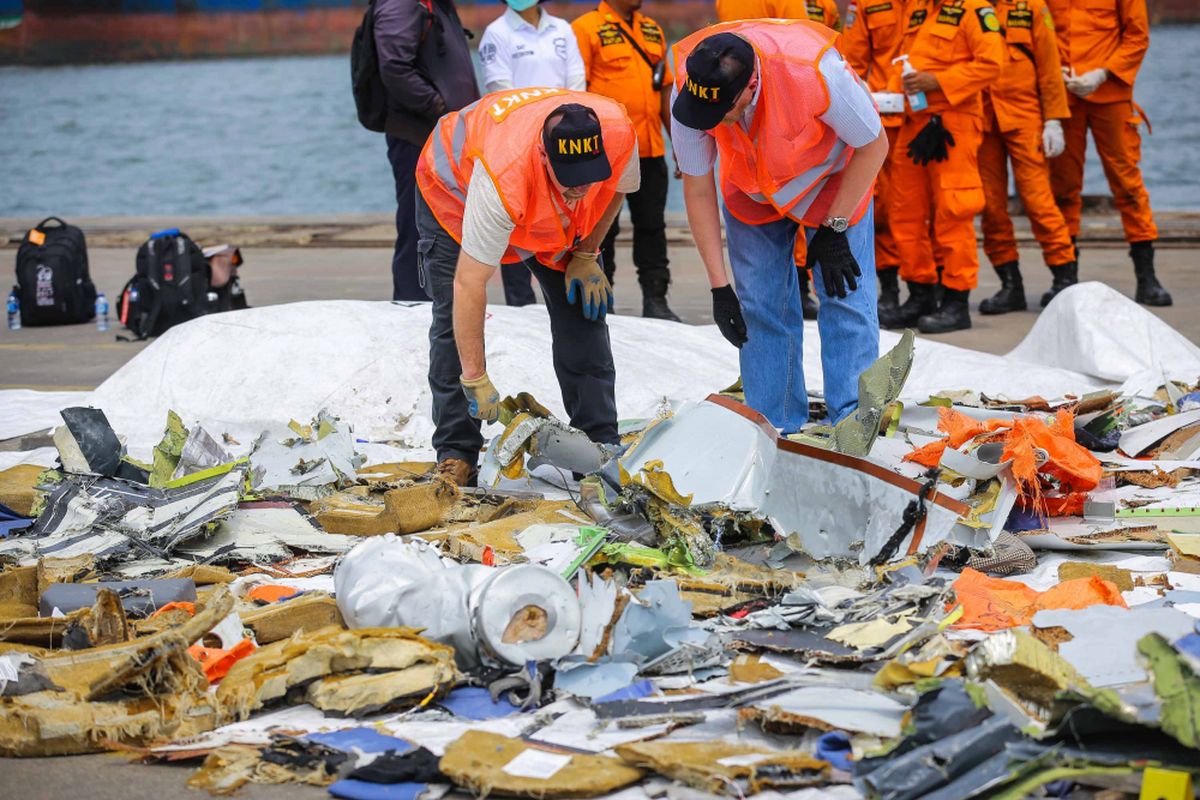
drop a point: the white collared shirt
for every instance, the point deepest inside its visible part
(517, 55)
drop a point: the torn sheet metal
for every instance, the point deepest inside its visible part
(1141, 438)
(657, 623)
(830, 708)
(878, 387)
(507, 614)
(544, 440)
(1104, 639)
(264, 532)
(114, 519)
(832, 505)
(305, 462)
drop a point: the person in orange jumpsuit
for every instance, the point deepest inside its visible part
(956, 49)
(825, 12)
(625, 58)
(1023, 113)
(1102, 44)
(870, 40)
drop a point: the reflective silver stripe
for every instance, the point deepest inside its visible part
(445, 172)
(807, 181)
(522, 252)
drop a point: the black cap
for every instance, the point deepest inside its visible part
(717, 72)
(575, 146)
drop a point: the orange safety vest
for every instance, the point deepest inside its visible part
(789, 163)
(503, 130)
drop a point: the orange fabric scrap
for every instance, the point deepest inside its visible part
(270, 593)
(1072, 465)
(190, 608)
(216, 662)
(993, 604)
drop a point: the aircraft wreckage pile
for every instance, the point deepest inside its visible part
(962, 598)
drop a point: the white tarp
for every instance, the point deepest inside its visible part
(367, 361)
(1096, 330)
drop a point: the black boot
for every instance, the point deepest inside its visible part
(808, 303)
(1149, 291)
(1011, 296)
(921, 301)
(953, 315)
(1064, 275)
(654, 302)
(889, 290)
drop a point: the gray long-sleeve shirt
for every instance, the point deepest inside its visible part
(425, 65)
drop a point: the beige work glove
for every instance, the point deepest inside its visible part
(483, 401)
(587, 281)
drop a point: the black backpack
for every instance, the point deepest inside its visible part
(53, 283)
(170, 286)
(370, 96)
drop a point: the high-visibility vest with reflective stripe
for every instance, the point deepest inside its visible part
(789, 163)
(503, 131)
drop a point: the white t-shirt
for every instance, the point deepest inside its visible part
(486, 224)
(851, 114)
(517, 55)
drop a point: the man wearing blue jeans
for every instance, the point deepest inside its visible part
(799, 141)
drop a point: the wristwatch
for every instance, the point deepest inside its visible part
(837, 224)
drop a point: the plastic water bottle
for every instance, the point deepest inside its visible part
(14, 311)
(917, 101)
(101, 312)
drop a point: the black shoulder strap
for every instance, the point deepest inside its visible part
(151, 317)
(629, 37)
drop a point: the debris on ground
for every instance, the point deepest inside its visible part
(957, 593)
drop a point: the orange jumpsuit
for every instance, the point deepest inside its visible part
(823, 11)
(960, 43)
(1030, 91)
(1113, 34)
(870, 40)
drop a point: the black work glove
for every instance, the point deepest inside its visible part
(727, 312)
(831, 250)
(932, 143)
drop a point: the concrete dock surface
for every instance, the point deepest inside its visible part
(296, 259)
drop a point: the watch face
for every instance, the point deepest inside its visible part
(838, 224)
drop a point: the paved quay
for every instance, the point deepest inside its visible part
(295, 259)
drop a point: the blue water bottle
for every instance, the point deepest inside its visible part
(14, 311)
(917, 101)
(101, 312)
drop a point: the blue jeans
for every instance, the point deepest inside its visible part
(772, 359)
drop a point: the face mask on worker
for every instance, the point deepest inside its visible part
(521, 5)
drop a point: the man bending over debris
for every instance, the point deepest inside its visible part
(799, 141)
(535, 177)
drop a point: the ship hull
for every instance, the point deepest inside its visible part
(44, 32)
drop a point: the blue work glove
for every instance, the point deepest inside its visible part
(587, 282)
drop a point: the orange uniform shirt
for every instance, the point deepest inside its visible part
(822, 11)
(871, 39)
(1030, 89)
(1113, 34)
(959, 41)
(615, 69)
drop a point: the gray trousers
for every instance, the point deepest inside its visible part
(581, 351)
